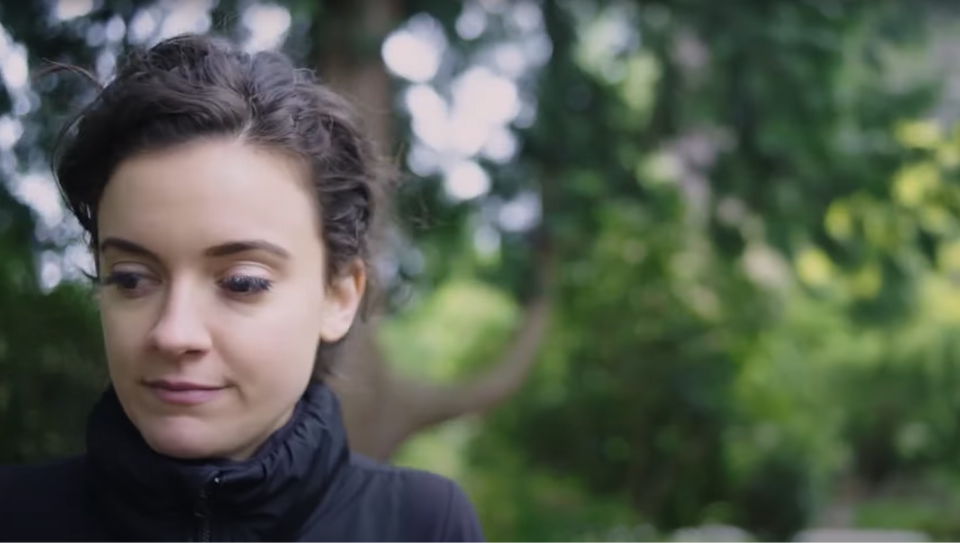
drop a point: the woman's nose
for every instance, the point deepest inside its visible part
(180, 329)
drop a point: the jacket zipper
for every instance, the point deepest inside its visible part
(202, 511)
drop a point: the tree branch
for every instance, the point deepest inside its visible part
(384, 409)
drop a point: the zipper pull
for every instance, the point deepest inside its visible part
(202, 508)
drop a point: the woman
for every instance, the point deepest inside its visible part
(228, 199)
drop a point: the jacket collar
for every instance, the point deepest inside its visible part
(143, 495)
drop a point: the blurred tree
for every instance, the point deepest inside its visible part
(383, 408)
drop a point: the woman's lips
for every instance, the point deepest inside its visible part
(183, 392)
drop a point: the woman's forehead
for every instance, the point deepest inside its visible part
(215, 191)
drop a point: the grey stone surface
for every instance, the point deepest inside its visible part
(875, 536)
(712, 532)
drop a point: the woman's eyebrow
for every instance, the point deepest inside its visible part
(224, 249)
(126, 246)
(244, 246)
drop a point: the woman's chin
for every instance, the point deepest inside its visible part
(186, 439)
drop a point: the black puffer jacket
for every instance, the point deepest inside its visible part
(303, 485)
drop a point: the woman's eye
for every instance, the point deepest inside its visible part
(245, 284)
(124, 280)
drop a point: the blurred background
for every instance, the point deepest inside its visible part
(660, 270)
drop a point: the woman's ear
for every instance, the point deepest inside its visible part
(342, 301)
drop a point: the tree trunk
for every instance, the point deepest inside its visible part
(381, 408)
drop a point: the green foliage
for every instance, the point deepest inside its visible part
(520, 501)
(50, 371)
(475, 317)
(638, 407)
(49, 351)
(929, 514)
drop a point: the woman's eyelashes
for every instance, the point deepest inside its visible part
(133, 284)
(245, 285)
(129, 282)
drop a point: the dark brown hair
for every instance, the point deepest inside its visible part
(194, 87)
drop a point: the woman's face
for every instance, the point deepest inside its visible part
(214, 296)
